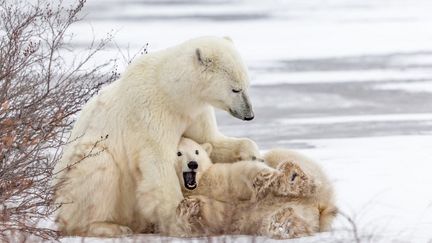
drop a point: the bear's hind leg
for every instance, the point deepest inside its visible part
(285, 224)
(89, 198)
(293, 181)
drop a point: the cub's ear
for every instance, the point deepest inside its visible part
(207, 147)
(228, 39)
(203, 60)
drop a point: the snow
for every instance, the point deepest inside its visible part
(347, 82)
(382, 179)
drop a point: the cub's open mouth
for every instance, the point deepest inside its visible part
(189, 179)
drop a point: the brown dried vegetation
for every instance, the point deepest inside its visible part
(40, 94)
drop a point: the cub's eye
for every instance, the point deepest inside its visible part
(179, 153)
(236, 90)
(196, 152)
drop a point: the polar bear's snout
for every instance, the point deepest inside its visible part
(242, 108)
(189, 177)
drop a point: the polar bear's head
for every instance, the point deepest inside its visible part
(223, 75)
(192, 160)
(206, 71)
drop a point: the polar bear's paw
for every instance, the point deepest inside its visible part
(293, 181)
(285, 224)
(104, 229)
(189, 214)
(262, 182)
(189, 209)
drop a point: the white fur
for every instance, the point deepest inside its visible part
(131, 184)
(221, 203)
(223, 181)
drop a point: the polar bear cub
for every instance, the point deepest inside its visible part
(244, 180)
(278, 199)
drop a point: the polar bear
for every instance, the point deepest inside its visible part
(117, 175)
(296, 196)
(243, 180)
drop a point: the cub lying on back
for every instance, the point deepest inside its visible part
(288, 197)
(242, 180)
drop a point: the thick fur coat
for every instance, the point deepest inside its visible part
(288, 196)
(117, 173)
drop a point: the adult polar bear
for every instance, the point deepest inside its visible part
(132, 184)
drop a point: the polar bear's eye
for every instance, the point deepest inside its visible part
(196, 152)
(236, 90)
(179, 153)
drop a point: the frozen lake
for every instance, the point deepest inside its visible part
(347, 82)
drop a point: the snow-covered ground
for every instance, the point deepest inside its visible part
(347, 82)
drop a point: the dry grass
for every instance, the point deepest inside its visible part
(40, 95)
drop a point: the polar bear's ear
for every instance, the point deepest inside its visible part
(202, 59)
(207, 147)
(228, 39)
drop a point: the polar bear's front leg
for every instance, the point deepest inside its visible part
(225, 149)
(229, 150)
(204, 216)
(239, 181)
(257, 178)
(189, 215)
(159, 193)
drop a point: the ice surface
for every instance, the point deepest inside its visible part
(415, 87)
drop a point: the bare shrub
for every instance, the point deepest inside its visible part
(40, 94)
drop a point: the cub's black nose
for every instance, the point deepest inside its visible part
(193, 165)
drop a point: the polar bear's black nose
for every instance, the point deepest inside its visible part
(250, 118)
(193, 165)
